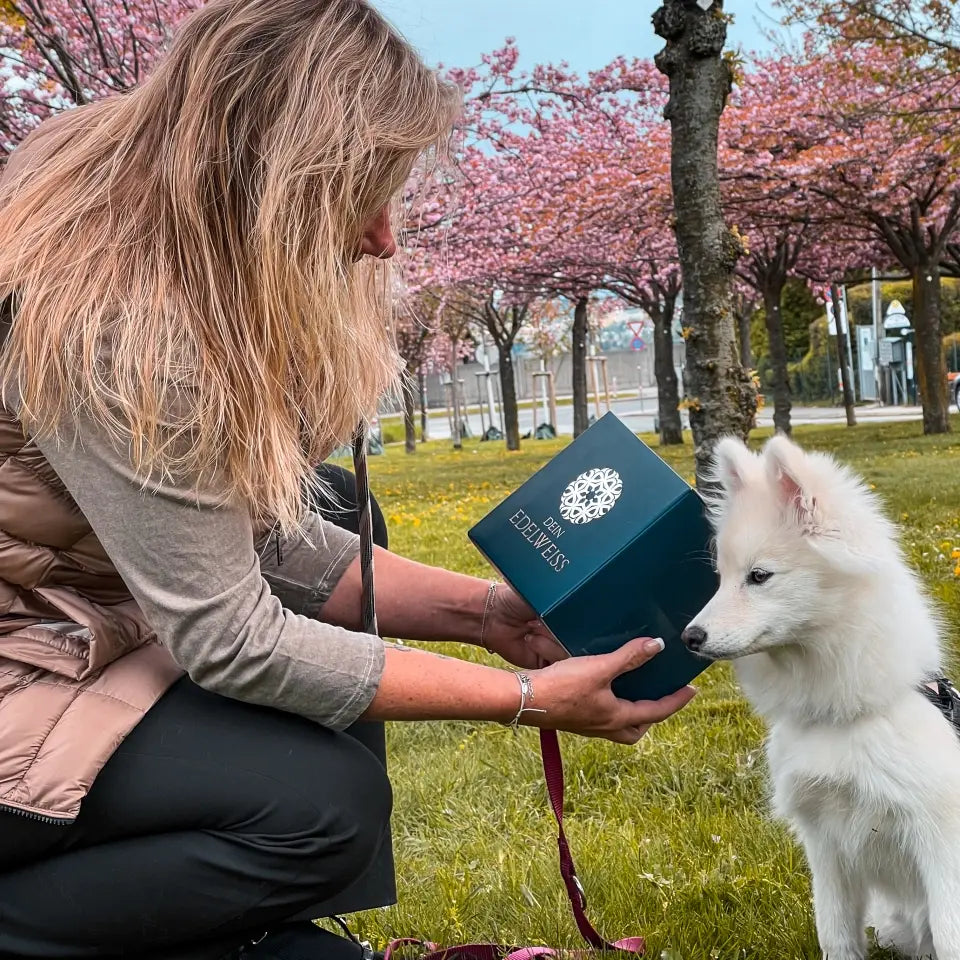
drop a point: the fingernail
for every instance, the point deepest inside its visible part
(654, 646)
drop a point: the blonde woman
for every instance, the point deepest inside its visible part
(194, 284)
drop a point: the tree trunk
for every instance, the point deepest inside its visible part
(720, 394)
(508, 391)
(409, 413)
(744, 322)
(581, 408)
(773, 316)
(455, 398)
(668, 396)
(424, 430)
(931, 370)
(846, 374)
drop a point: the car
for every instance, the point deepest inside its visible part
(953, 386)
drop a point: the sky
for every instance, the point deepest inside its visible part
(585, 33)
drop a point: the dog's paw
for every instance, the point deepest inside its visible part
(895, 931)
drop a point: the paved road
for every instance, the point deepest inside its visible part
(639, 415)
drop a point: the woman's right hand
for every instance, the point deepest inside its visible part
(575, 696)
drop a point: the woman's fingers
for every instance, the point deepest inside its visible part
(633, 654)
(546, 648)
(646, 712)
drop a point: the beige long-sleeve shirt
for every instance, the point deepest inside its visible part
(237, 614)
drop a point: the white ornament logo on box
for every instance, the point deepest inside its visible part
(591, 496)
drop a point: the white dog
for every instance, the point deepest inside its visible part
(833, 640)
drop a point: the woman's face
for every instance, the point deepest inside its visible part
(378, 238)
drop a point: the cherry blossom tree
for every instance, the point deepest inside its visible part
(549, 175)
(641, 264)
(878, 158)
(929, 31)
(62, 53)
(769, 205)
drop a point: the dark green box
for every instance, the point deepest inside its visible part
(606, 543)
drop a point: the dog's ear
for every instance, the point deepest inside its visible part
(729, 468)
(784, 462)
(731, 461)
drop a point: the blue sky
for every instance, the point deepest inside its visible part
(586, 33)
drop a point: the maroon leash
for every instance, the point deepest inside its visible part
(552, 772)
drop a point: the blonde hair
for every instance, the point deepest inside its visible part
(180, 257)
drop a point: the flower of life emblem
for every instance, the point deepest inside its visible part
(591, 496)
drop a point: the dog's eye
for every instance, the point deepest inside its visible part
(757, 577)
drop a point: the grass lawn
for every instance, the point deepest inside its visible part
(672, 837)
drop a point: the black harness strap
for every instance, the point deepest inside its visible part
(945, 697)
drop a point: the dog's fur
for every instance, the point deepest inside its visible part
(831, 650)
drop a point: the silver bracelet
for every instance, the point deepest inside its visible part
(487, 607)
(526, 697)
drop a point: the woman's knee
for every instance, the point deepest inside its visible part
(334, 815)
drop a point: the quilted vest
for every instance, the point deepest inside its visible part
(78, 665)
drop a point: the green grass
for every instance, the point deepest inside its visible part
(672, 837)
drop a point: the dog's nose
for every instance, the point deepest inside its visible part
(694, 638)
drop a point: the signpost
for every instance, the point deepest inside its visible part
(886, 353)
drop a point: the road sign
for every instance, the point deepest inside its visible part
(896, 318)
(886, 353)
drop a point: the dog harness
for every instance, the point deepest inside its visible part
(945, 697)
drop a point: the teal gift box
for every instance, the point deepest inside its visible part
(607, 543)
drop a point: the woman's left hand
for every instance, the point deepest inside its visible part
(512, 631)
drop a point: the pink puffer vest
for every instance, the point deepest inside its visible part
(78, 665)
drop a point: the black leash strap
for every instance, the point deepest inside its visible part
(365, 525)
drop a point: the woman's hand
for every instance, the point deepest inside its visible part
(575, 696)
(511, 630)
(572, 694)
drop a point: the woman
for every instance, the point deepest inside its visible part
(196, 290)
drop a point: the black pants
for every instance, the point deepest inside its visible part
(213, 821)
